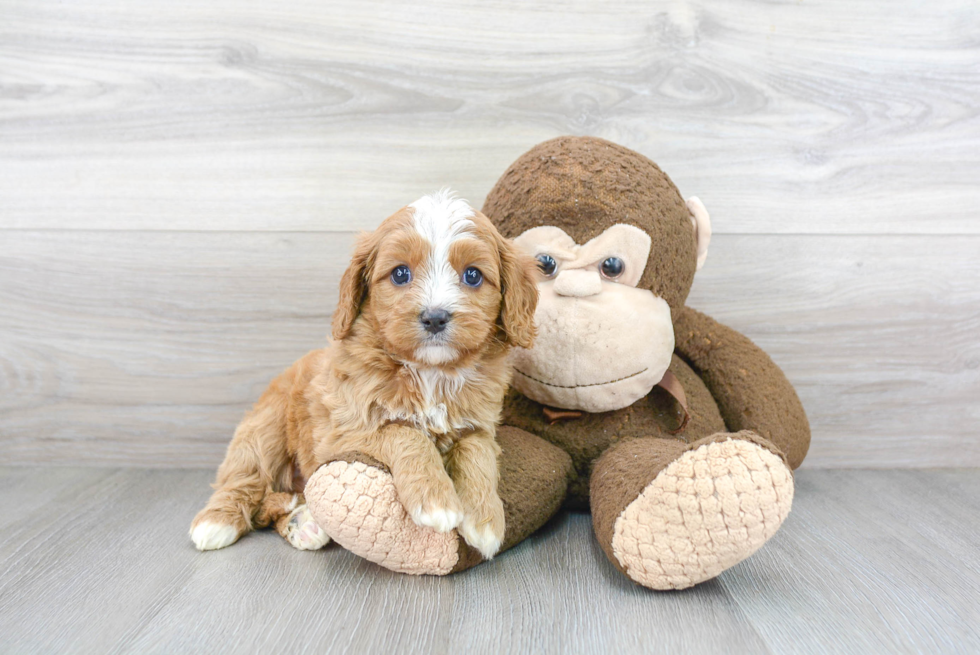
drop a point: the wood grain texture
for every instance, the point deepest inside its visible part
(869, 561)
(819, 117)
(179, 186)
(146, 348)
(905, 575)
(877, 334)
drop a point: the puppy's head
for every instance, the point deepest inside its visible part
(438, 282)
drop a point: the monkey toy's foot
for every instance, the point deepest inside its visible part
(353, 499)
(694, 511)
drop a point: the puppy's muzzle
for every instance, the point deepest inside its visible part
(434, 320)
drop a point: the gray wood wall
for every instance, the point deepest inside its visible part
(180, 184)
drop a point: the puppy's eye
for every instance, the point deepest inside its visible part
(613, 267)
(547, 264)
(401, 276)
(472, 277)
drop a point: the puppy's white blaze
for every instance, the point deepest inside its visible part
(441, 219)
(212, 536)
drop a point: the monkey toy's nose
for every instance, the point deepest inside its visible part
(434, 320)
(578, 283)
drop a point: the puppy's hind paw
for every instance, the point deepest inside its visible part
(303, 532)
(212, 536)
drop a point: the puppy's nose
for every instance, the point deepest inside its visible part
(434, 320)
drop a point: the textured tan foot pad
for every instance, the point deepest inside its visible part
(357, 506)
(708, 510)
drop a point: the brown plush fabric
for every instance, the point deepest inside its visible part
(584, 185)
(621, 474)
(751, 391)
(533, 480)
(585, 439)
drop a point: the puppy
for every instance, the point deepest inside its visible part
(431, 304)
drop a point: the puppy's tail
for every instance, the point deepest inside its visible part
(254, 466)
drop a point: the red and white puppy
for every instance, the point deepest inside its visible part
(431, 304)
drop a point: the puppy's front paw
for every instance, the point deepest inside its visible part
(484, 537)
(437, 518)
(484, 528)
(433, 505)
(303, 532)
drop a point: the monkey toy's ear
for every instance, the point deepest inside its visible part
(702, 227)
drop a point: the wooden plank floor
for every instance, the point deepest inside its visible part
(98, 560)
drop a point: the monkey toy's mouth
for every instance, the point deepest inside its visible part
(589, 356)
(581, 386)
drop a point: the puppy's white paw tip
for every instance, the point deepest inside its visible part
(303, 532)
(212, 536)
(440, 520)
(482, 538)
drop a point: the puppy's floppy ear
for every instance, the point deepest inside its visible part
(519, 288)
(354, 285)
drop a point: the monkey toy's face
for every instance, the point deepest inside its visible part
(618, 247)
(602, 342)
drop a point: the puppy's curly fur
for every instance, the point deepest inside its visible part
(423, 398)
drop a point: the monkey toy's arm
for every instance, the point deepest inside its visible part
(751, 391)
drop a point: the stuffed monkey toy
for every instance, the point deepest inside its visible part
(678, 433)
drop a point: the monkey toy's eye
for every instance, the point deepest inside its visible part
(401, 276)
(472, 277)
(547, 264)
(612, 267)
